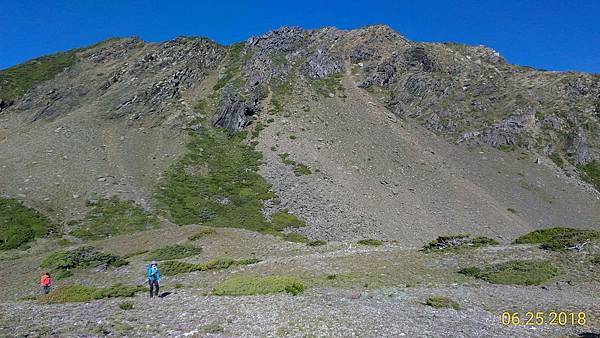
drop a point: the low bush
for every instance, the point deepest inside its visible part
(441, 302)
(81, 293)
(83, 257)
(171, 268)
(518, 272)
(254, 285)
(455, 242)
(109, 217)
(201, 233)
(370, 241)
(596, 259)
(175, 251)
(302, 170)
(126, 306)
(559, 238)
(118, 290)
(212, 328)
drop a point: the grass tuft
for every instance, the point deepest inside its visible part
(557, 159)
(517, 272)
(373, 242)
(285, 159)
(302, 170)
(316, 243)
(441, 302)
(254, 285)
(126, 306)
(212, 328)
(299, 168)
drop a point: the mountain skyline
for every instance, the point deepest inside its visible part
(559, 36)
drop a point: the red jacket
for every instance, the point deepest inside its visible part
(46, 280)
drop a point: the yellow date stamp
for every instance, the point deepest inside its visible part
(539, 318)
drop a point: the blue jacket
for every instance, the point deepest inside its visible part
(152, 277)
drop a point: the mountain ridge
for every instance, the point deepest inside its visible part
(136, 100)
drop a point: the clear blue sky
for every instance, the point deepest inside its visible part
(550, 34)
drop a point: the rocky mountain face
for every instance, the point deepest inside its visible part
(109, 119)
(471, 94)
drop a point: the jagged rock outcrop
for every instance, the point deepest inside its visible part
(417, 58)
(470, 93)
(503, 133)
(382, 76)
(235, 112)
(321, 64)
(577, 147)
(150, 83)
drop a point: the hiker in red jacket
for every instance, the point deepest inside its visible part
(46, 282)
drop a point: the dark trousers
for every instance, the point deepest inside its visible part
(46, 289)
(153, 287)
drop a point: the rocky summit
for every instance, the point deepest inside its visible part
(303, 182)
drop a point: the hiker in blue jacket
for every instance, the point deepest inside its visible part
(153, 278)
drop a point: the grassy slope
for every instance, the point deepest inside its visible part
(17, 80)
(216, 183)
(20, 224)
